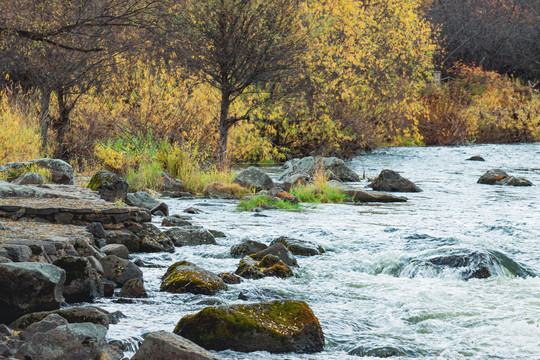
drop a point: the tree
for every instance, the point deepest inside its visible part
(499, 35)
(237, 44)
(61, 48)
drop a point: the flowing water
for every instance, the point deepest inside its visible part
(384, 287)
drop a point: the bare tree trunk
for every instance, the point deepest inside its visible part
(44, 119)
(61, 125)
(223, 131)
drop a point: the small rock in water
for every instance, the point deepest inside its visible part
(389, 180)
(185, 277)
(134, 288)
(192, 210)
(230, 278)
(499, 177)
(476, 158)
(247, 247)
(164, 345)
(269, 265)
(259, 215)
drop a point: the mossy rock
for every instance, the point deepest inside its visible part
(269, 265)
(89, 314)
(185, 277)
(277, 326)
(110, 187)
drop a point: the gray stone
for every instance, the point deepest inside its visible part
(162, 345)
(389, 180)
(124, 237)
(14, 252)
(134, 288)
(66, 342)
(299, 247)
(361, 196)
(30, 178)
(217, 233)
(4, 260)
(476, 158)
(61, 171)
(174, 221)
(153, 239)
(79, 314)
(254, 178)
(170, 183)
(109, 186)
(247, 247)
(83, 282)
(191, 236)
(192, 210)
(279, 250)
(119, 270)
(309, 166)
(52, 321)
(4, 330)
(97, 230)
(499, 177)
(144, 200)
(42, 289)
(116, 249)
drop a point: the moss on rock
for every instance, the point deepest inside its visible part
(275, 326)
(185, 277)
(269, 265)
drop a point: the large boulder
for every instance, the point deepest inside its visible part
(185, 277)
(61, 171)
(389, 180)
(247, 247)
(269, 265)
(499, 177)
(124, 237)
(163, 345)
(30, 178)
(254, 178)
(307, 167)
(83, 282)
(116, 249)
(118, 270)
(29, 287)
(298, 247)
(191, 236)
(277, 326)
(65, 342)
(109, 186)
(144, 200)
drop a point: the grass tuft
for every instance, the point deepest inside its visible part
(265, 200)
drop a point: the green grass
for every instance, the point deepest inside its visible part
(257, 201)
(319, 194)
(147, 176)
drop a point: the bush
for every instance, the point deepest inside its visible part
(19, 133)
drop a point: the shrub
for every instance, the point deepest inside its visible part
(217, 187)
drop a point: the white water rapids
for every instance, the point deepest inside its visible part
(368, 297)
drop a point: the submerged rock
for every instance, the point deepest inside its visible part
(29, 287)
(467, 264)
(361, 196)
(499, 177)
(476, 158)
(299, 247)
(109, 186)
(389, 180)
(309, 166)
(162, 345)
(269, 265)
(254, 178)
(277, 326)
(247, 247)
(175, 221)
(185, 277)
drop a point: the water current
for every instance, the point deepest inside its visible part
(381, 288)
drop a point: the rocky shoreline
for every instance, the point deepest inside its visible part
(63, 244)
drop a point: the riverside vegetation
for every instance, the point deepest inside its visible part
(360, 78)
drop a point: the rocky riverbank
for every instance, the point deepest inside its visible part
(68, 245)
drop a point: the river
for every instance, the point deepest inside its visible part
(370, 290)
